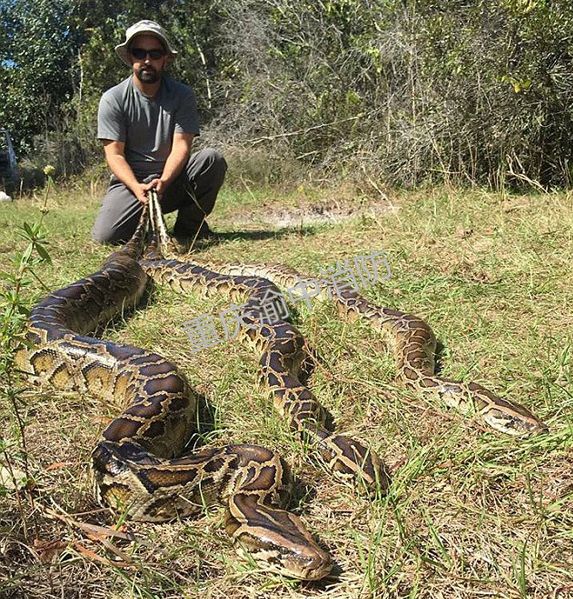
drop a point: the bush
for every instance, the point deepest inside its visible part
(412, 92)
(408, 92)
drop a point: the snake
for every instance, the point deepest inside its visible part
(140, 465)
(285, 361)
(414, 346)
(413, 340)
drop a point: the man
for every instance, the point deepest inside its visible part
(147, 124)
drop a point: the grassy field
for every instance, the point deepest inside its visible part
(470, 513)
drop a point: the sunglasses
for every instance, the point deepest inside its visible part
(142, 53)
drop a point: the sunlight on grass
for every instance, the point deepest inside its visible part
(470, 512)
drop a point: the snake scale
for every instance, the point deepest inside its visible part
(283, 361)
(414, 350)
(140, 465)
(413, 340)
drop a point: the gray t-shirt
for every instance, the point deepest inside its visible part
(146, 125)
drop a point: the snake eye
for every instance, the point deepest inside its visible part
(105, 462)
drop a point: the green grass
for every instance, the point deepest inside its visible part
(470, 512)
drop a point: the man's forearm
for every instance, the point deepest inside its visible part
(174, 164)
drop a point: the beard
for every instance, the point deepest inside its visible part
(148, 74)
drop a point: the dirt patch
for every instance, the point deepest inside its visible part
(321, 212)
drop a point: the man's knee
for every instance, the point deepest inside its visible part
(118, 216)
(106, 235)
(104, 232)
(216, 159)
(209, 162)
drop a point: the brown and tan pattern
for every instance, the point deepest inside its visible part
(283, 361)
(138, 467)
(414, 350)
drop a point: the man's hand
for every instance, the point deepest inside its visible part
(115, 156)
(140, 192)
(159, 185)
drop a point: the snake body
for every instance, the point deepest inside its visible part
(414, 345)
(282, 362)
(138, 465)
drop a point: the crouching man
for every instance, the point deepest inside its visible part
(147, 124)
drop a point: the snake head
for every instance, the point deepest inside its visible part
(514, 420)
(107, 469)
(106, 461)
(275, 539)
(305, 561)
(504, 415)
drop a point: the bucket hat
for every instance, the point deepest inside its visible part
(143, 28)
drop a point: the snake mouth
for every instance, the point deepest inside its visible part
(316, 569)
(533, 427)
(516, 425)
(312, 563)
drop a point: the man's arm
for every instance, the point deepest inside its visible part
(115, 157)
(176, 161)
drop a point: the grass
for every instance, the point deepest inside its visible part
(470, 513)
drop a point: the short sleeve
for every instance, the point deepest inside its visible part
(110, 121)
(187, 117)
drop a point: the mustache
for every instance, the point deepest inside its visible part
(148, 73)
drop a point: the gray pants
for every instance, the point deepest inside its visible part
(193, 194)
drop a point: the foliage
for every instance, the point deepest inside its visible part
(13, 314)
(463, 90)
(12, 305)
(471, 512)
(36, 65)
(408, 91)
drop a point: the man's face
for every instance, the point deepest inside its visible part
(148, 58)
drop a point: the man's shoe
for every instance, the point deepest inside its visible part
(205, 233)
(186, 236)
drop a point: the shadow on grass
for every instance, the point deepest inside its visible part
(439, 356)
(256, 235)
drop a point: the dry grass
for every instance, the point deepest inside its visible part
(470, 513)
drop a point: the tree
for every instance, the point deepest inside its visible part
(37, 76)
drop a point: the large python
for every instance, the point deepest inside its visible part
(283, 354)
(138, 464)
(414, 346)
(413, 340)
(284, 361)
